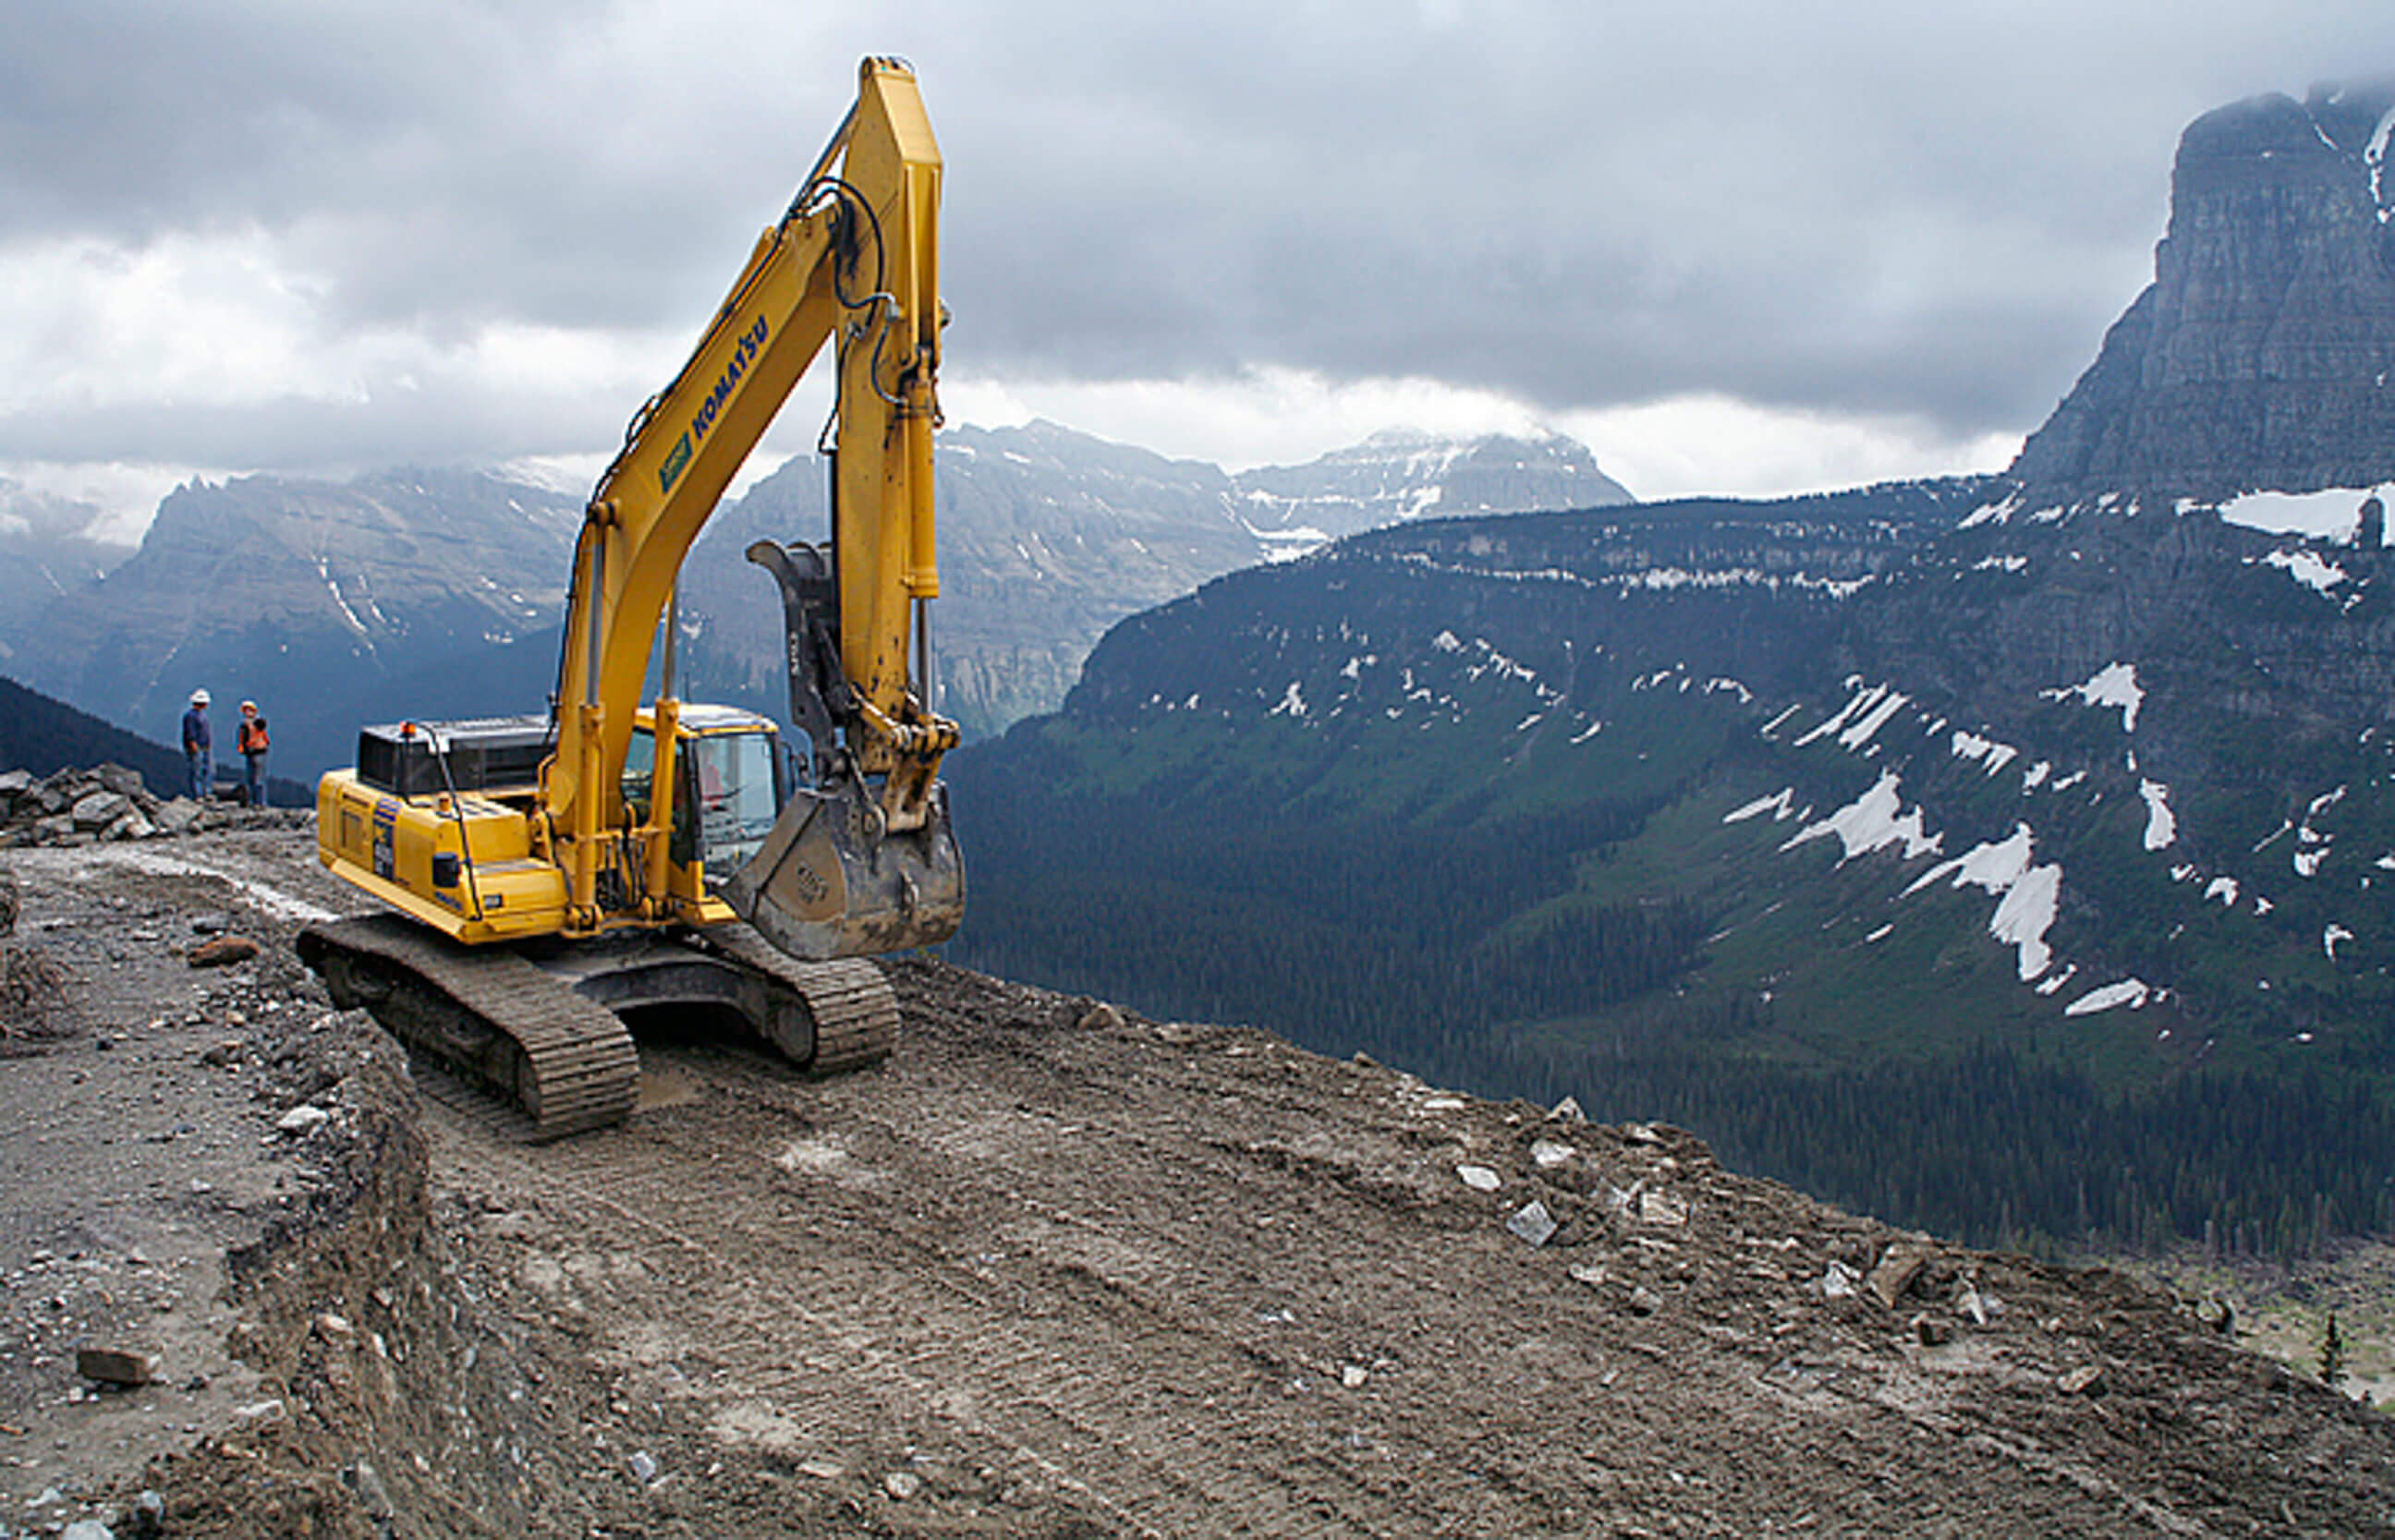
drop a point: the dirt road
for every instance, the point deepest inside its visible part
(1058, 1270)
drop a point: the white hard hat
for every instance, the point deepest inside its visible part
(199, 697)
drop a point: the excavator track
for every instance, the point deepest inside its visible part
(855, 1014)
(487, 1015)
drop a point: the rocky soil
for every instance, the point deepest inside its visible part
(1053, 1271)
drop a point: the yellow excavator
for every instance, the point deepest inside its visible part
(546, 873)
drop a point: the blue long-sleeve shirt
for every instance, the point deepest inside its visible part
(195, 732)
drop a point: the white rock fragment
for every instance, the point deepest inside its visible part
(1533, 1223)
(303, 1119)
(1481, 1179)
(1547, 1153)
(1838, 1281)
(1661, 1208)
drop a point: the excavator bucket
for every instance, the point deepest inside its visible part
(831, 881)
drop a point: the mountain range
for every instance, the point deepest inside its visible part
(438, 593)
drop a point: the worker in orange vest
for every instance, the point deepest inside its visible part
(251, 741)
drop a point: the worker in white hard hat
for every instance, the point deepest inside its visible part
(199, 750)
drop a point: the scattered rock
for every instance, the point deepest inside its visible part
(1547, 1153)
(1481, 1179)
(303, 1120)
(1838, 1281)
(1932, 1332)
(99, 809)
(1896, 1270)
(2085, 1380)
(76, 807)
(1568, 1111)
(1533, 1223)
(116, 1365)
(1100, 1018)
(1661, 1208)
(1643, 1301)
(902, 1484)
(645, 1467)
(86, 1529)
(222, 950)
(180, 816)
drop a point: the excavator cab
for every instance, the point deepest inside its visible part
(732, 779)
(818, 868)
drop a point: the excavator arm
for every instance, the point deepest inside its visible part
(852, 262)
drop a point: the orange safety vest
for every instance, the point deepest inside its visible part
(253, 735)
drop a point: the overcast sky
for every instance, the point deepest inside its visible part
(1749, 247)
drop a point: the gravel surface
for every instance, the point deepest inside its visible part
(1053, 1269)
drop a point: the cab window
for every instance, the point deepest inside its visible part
(737, 796)
(640, 773)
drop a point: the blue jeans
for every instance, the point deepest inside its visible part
(255, 783)
(203, 775)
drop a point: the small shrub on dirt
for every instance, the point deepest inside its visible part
(32, 994)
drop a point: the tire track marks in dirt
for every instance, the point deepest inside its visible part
(1189, 1280)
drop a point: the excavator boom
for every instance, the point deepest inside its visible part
(856, 257)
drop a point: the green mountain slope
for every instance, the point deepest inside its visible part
(1823, 826)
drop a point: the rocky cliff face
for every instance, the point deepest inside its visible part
(2263, 354)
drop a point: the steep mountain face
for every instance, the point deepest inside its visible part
(1397, 475)
(309, 596)
(2261, 354)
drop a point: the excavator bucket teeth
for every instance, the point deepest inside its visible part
(832, 881)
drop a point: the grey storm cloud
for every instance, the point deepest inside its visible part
(1849, 207)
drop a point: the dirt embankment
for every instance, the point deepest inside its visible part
(1053, 1270)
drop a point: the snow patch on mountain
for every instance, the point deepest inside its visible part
(1873, 821)
(2114, 685)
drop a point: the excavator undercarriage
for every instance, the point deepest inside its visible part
(541, 1026)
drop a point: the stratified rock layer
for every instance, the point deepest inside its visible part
(2262, 356)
